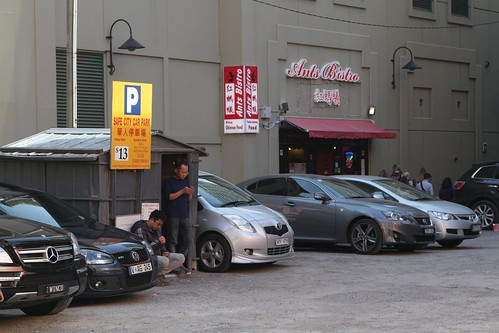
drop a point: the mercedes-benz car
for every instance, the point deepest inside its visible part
(324, 209)
(234, 228)
(118, 261)
(41, 267)
(453, 223)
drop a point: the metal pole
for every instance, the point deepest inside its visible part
(72, 95)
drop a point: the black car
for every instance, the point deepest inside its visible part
(478, 189)
(41, 267)
(118, 261)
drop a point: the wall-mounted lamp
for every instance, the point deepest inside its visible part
(130, 45)
(411, 65)
(284, 107)
(372, 110)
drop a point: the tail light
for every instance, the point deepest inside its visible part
(458, 184)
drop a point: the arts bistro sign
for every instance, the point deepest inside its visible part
(330, 71)
(241, 99)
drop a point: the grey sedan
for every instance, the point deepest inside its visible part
(453, 222)
(323, 209)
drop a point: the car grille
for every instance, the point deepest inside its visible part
(467, 217)
(40, 256)
(423, 220)
(275, 251)
(424, 238)
(126, 259)
(272, 230)
(30, 280)
(466, 232)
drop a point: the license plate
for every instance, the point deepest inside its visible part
(282, 241)
(56, 288)
(429, 231)
(140, 268)
(476, 227)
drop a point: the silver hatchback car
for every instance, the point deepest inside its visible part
(453, 222)
(235, 228)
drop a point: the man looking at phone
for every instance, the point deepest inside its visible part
(177, 193)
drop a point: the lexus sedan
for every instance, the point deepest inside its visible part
(118, 261)
(324, 209)
(453, 223)
(236, 229)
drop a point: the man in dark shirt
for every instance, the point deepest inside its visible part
(150, 231)
(177, 193)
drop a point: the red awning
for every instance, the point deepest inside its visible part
(340, 128)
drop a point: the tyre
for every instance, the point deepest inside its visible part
(487, 212)
(48, 308)
(450, 243)
(214, 253)
(366, 237)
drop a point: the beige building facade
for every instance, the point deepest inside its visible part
(322, 61)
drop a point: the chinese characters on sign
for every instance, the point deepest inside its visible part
(131, 125)
(330, 97)
(241, 99)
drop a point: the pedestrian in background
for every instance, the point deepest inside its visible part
(426, 185)
(396, 172)
(446, 191)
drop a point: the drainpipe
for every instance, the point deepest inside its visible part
(71, 100)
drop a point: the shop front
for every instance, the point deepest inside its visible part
(327, 146)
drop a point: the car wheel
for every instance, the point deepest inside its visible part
(48, 308)
(366, 237)
(214, 253)
(487, 212)
(450, 243)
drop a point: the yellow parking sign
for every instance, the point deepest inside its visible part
(131, 125)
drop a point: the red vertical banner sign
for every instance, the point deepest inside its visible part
(234, 99)
(251, 99)
(241, 99)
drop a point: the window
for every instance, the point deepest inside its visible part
(90, 83)
(485, 172)
(423, 5)
(460, 8)
(271, 186)
(302, 188)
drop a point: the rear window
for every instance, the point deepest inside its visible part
(270, 186)
(485, 172)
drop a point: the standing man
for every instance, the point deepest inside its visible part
(150, 231)
(177, 193)
(426, 185)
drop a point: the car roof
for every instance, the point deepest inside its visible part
(360, 177)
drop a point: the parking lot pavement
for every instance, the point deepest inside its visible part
(320, 290)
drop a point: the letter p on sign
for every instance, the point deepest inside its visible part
(132, 100)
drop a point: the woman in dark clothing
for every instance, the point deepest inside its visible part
(446, 191)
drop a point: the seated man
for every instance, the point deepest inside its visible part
(150, 231)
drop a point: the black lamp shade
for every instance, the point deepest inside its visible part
(131, 45)
(411, 65)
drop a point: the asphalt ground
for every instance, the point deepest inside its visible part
(322, 289)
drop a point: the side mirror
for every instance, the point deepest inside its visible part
(322, 197)
(378, 195)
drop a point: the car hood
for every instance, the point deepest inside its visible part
(254, 213)
(390, 205)
(442, 206)
(13, 227)
(105, 237)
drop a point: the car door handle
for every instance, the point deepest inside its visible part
(290, 204)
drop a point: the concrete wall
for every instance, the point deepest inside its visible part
(188, 42)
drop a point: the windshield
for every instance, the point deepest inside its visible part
(220, 193)
(41, 208)
(403, 190)
(344, 188)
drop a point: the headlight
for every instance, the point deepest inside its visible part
(395, 216)
(76, 245)
(96, 257)
(239, 222)
(442, 215)
(148, 247)
(4, 257)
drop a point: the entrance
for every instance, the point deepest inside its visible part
(300, 154)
